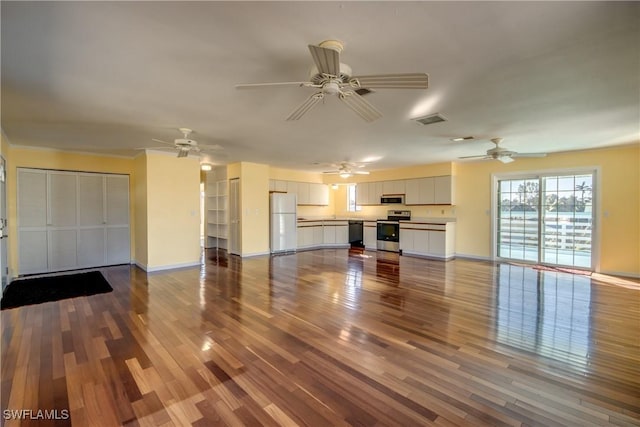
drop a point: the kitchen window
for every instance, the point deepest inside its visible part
(352, 206)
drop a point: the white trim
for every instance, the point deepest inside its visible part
(254, 254)
(619, 273)
(58, 150)
(169, 266)
(596, 171)
(474, 257)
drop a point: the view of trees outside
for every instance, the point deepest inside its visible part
(562, 194)
(564, 237)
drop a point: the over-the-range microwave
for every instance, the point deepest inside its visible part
(396, 199)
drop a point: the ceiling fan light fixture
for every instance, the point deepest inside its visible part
(345, 174)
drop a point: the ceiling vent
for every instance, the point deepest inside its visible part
(431, 119)
(462, 138)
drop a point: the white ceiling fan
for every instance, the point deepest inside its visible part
(332, 77)
(346, 169)
(502, 154)
(186, 145)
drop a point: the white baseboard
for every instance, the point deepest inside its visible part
(254, 254)
(474, 257)
(168, 267)
(619, 273)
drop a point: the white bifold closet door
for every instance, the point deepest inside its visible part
(69, 220)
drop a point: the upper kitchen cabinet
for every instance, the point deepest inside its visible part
(394, 187)
(443, 190)
(318, 194)
(436, 190)
(307, 193)
(369, 193)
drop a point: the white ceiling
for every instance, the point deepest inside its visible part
(110, 76)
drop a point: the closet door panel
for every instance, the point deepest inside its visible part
(118, 245)
(32, 198)
(62, 199)
(91, 199)
(91, 247)
(117, 200)
(63, 249)
(32, 252)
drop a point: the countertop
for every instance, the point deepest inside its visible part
(413, 220)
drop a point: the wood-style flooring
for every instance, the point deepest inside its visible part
(329, 337)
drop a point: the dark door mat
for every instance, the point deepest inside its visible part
(54, 288)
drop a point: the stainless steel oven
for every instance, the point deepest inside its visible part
(388, 230)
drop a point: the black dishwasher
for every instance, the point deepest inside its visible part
(355, 233)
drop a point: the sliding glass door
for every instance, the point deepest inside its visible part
(546, 219)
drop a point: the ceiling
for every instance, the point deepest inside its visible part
(110, 76)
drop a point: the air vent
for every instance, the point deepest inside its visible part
(363, 91)
(430, 119)
(462, 138)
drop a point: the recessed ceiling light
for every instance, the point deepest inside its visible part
(462, 138)
(206, 167)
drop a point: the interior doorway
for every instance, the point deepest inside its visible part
(546, 219)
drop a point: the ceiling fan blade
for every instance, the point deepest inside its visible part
(331, 172)
(529, 155)
(258, 85)
(307, 105)
(475, 157)
(360, 105)
(327, 60)
(392, 81)
(162, 142)
(360, 172)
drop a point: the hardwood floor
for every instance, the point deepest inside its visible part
(329, 337)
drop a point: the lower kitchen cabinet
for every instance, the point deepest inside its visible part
(318, 234)
(435, 240)
(370, 235)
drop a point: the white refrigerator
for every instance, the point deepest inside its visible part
(284, 225)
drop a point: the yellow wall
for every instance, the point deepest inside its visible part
(619, 193)
(254, 202)
(141, 212)
(59, 160)
(173, 211)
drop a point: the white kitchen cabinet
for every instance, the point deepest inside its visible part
(342, 234)
(406, 240)
(280, 186)
(412, 191)
(70, 220)
(318, 194)
(375, 192)
(443, 190)
(429, 239)
(437, 244)
(420, 191)
(329, 234)
(310, 234)
(292, 187)
(393, 187)
(362, 193)
(370, 235)
(303, 193)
